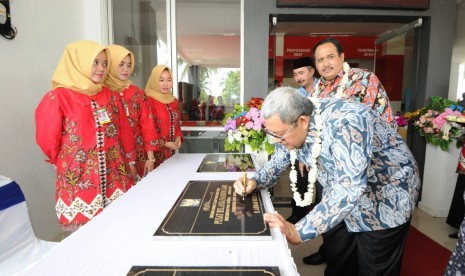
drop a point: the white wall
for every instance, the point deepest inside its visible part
(26, 67)
(458, 52)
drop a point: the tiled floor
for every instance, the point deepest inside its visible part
(435, 228)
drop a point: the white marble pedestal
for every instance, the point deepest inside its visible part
(439, 180)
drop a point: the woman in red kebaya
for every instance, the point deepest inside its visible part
(136, 107)
(82, 129)
(165, 108)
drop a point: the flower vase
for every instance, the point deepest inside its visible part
(260, 156)
(439, 180)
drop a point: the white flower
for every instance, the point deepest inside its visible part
(238, 136)
(318, 121)
(293, 154)
(293, 176)
(230, 136)
(313, 173)
(316, 102)
(316, 149)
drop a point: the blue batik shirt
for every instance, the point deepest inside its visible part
(369, 176)
(302, 88)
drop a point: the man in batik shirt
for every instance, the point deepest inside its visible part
(369, 176)
(338, 80)
(359, 85)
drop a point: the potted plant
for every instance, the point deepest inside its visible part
(244, 127)
(432, 122)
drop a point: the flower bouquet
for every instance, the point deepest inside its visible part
(432, 123)
(244, 126)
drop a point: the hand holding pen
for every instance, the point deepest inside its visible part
(244, 186)
(244, 182)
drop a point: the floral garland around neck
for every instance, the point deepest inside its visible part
(309, 196)
(342, 85)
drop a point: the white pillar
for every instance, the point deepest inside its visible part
(439, 180)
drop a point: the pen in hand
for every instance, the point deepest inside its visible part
(244, 182)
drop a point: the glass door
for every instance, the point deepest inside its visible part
(200, 41)
(396, 65)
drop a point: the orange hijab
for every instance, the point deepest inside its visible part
(75, 66)
(118, 53)
(153, 87)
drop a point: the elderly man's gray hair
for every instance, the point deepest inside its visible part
(288, 103)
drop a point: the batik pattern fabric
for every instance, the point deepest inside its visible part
(369, 176)
(363, 87)
(91, 158)
(141, 120)
(456, 264)
(167, 123)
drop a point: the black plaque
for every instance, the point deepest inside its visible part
(211, 210)
(227, 162)
(204, 271)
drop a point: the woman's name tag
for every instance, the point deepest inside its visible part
(102, 116)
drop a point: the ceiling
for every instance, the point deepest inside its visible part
(211, 38)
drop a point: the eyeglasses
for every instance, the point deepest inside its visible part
(280, 138)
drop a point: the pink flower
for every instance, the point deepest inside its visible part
(440, 120)
(429, 130)
(400, 119)
(230, 124)
(253, 113)
(257, 126)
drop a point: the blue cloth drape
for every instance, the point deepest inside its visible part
(10, 195)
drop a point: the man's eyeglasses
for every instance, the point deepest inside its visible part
(280, 138)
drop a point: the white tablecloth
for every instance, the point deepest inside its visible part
(121, 236)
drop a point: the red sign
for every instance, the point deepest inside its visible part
(355, 47)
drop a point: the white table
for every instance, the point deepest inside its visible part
(121, 236)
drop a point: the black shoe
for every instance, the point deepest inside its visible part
(294, 219)
(454, 235)
(314, 259)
